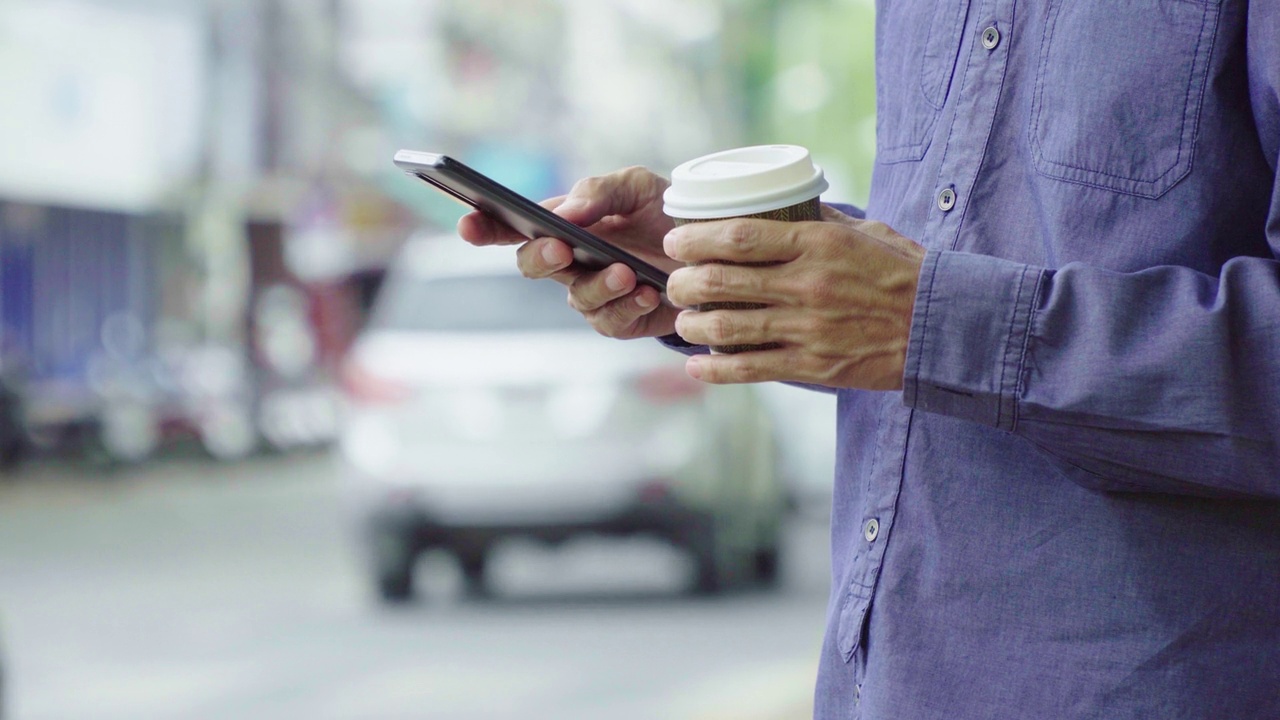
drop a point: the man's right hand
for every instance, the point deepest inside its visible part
(624, 208)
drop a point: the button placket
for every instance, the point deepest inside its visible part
(980, 87)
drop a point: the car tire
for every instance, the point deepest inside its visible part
(766, 558)
(393, 566)
(395, 587)
(11, 452)
(12, 445)
(719, 567)
(767, 562)
(472, 563)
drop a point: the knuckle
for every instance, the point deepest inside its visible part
(824, 288)
(610, 321)
(737, 371)
(633, 173)
(583, 292)
(720, 326)
(526, 261)
(573, 302)
(737, 234)
(714, 280)
(587, 187)
(766, 325)
(874, 227)
(811, 327)
(620, 315)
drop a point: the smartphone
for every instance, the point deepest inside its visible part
(522, 214)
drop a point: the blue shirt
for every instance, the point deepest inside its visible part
(1073, 508)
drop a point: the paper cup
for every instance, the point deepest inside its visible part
(766, 182)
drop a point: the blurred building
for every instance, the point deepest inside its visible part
(170, 151)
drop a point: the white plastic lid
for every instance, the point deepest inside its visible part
(745, 181)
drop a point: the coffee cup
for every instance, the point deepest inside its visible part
(766, 182)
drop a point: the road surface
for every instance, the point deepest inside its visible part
(193, 590)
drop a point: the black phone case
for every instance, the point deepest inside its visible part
(522, 214)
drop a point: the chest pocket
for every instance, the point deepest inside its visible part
(1118, 92)
(916, 46)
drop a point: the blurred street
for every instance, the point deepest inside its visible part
(190, 589)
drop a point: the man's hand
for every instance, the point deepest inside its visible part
(839, 293)
(624, 208)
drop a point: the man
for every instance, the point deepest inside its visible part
(1058, 481)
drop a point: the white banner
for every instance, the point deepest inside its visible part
(100, 107)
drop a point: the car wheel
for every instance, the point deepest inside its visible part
(395, 586)
(472, 563)
(11, 452)
(720, 566)
(767, 561)
(393, 570)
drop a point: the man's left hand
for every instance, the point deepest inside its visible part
(839, 297)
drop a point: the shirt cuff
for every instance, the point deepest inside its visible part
(969, 334)
(677, 343)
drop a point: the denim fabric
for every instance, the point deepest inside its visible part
(1078, 491)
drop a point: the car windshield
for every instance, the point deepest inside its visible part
(499, 303)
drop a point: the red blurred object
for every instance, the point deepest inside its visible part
(366, 388)
(668, 385)
(655, 491)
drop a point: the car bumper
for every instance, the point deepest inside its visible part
(416, 526)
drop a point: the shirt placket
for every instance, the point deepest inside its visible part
(884, 486)
(973, 116)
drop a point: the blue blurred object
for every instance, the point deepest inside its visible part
(533, 174)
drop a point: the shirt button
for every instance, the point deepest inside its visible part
(991, 38)
(947, 200)
(871, 530)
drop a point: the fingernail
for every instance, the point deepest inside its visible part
(549, 254)
(613, 282)
(669, 244)
(645, 302)
(694, 368)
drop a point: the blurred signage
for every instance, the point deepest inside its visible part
(101, 105)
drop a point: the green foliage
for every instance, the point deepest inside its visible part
(811, 82)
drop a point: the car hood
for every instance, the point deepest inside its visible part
(484, 359)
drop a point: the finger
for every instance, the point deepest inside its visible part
(620, 193)
(622, 317)
(738, 240)
(546, 258)
(593, 290)
(718, 282)
(733, 327)
(747, 367)
(478, 228)
(830, 214)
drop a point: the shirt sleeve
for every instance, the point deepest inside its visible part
(1166, 380)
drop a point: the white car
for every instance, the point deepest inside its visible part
(480, 406)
